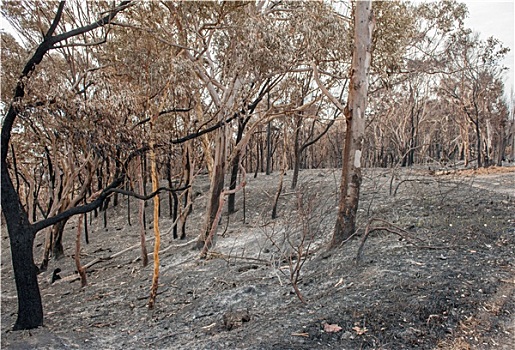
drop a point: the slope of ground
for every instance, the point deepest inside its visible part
(447, 281)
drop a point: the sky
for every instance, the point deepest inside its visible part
(496, 18)
(489, 18)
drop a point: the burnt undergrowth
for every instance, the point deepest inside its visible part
(454, 289)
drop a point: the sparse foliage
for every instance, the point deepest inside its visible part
(99, 99)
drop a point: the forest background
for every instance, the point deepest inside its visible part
(141, 98)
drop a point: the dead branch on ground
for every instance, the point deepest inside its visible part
(389, 227)
(95, 261)
(228, 257)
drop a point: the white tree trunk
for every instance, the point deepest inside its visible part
(355, 118)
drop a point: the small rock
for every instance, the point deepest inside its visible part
(347, 335)
(235, 318)
(250, 289)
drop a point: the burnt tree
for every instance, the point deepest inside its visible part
(21, 231)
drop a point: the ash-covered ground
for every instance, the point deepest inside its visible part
(444, 280)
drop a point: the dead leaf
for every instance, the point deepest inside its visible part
(331, 328)
(359, 330)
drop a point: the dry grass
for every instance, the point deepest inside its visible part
(481, 171)
(455, 344)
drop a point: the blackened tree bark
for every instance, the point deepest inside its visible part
(296, 152)
(268, 149)
(21, 236)
(170, 183)
(261, 152)
(188, 166)
(299, 149)
(175, 212)
(243, 120)
(231, 200)
(21, 232)
(412, 145)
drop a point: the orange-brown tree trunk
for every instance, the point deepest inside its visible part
(217, 186)
(355, 118)
(157, 233)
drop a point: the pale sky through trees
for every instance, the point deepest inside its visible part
(488, 17)
(496, 18)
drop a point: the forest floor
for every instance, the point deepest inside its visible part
(441, 277)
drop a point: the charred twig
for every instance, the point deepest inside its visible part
(95, 261)
(392, 229)
(149, 196)
(228, 257)
(407, 180)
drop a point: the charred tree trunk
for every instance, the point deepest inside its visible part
(500, 144)
(259, 156)
(175, 213)
(296, 153)
(57, 233)
(105, 205)
(78, 265)
(231, 203)
(21, 236)
(188, 180)
(170, 184)
(299, 151)
(284, 166)
(21, 232)
(231, 200)
(268, 148)
(99, 185)
(478, 144)
(86, 233)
